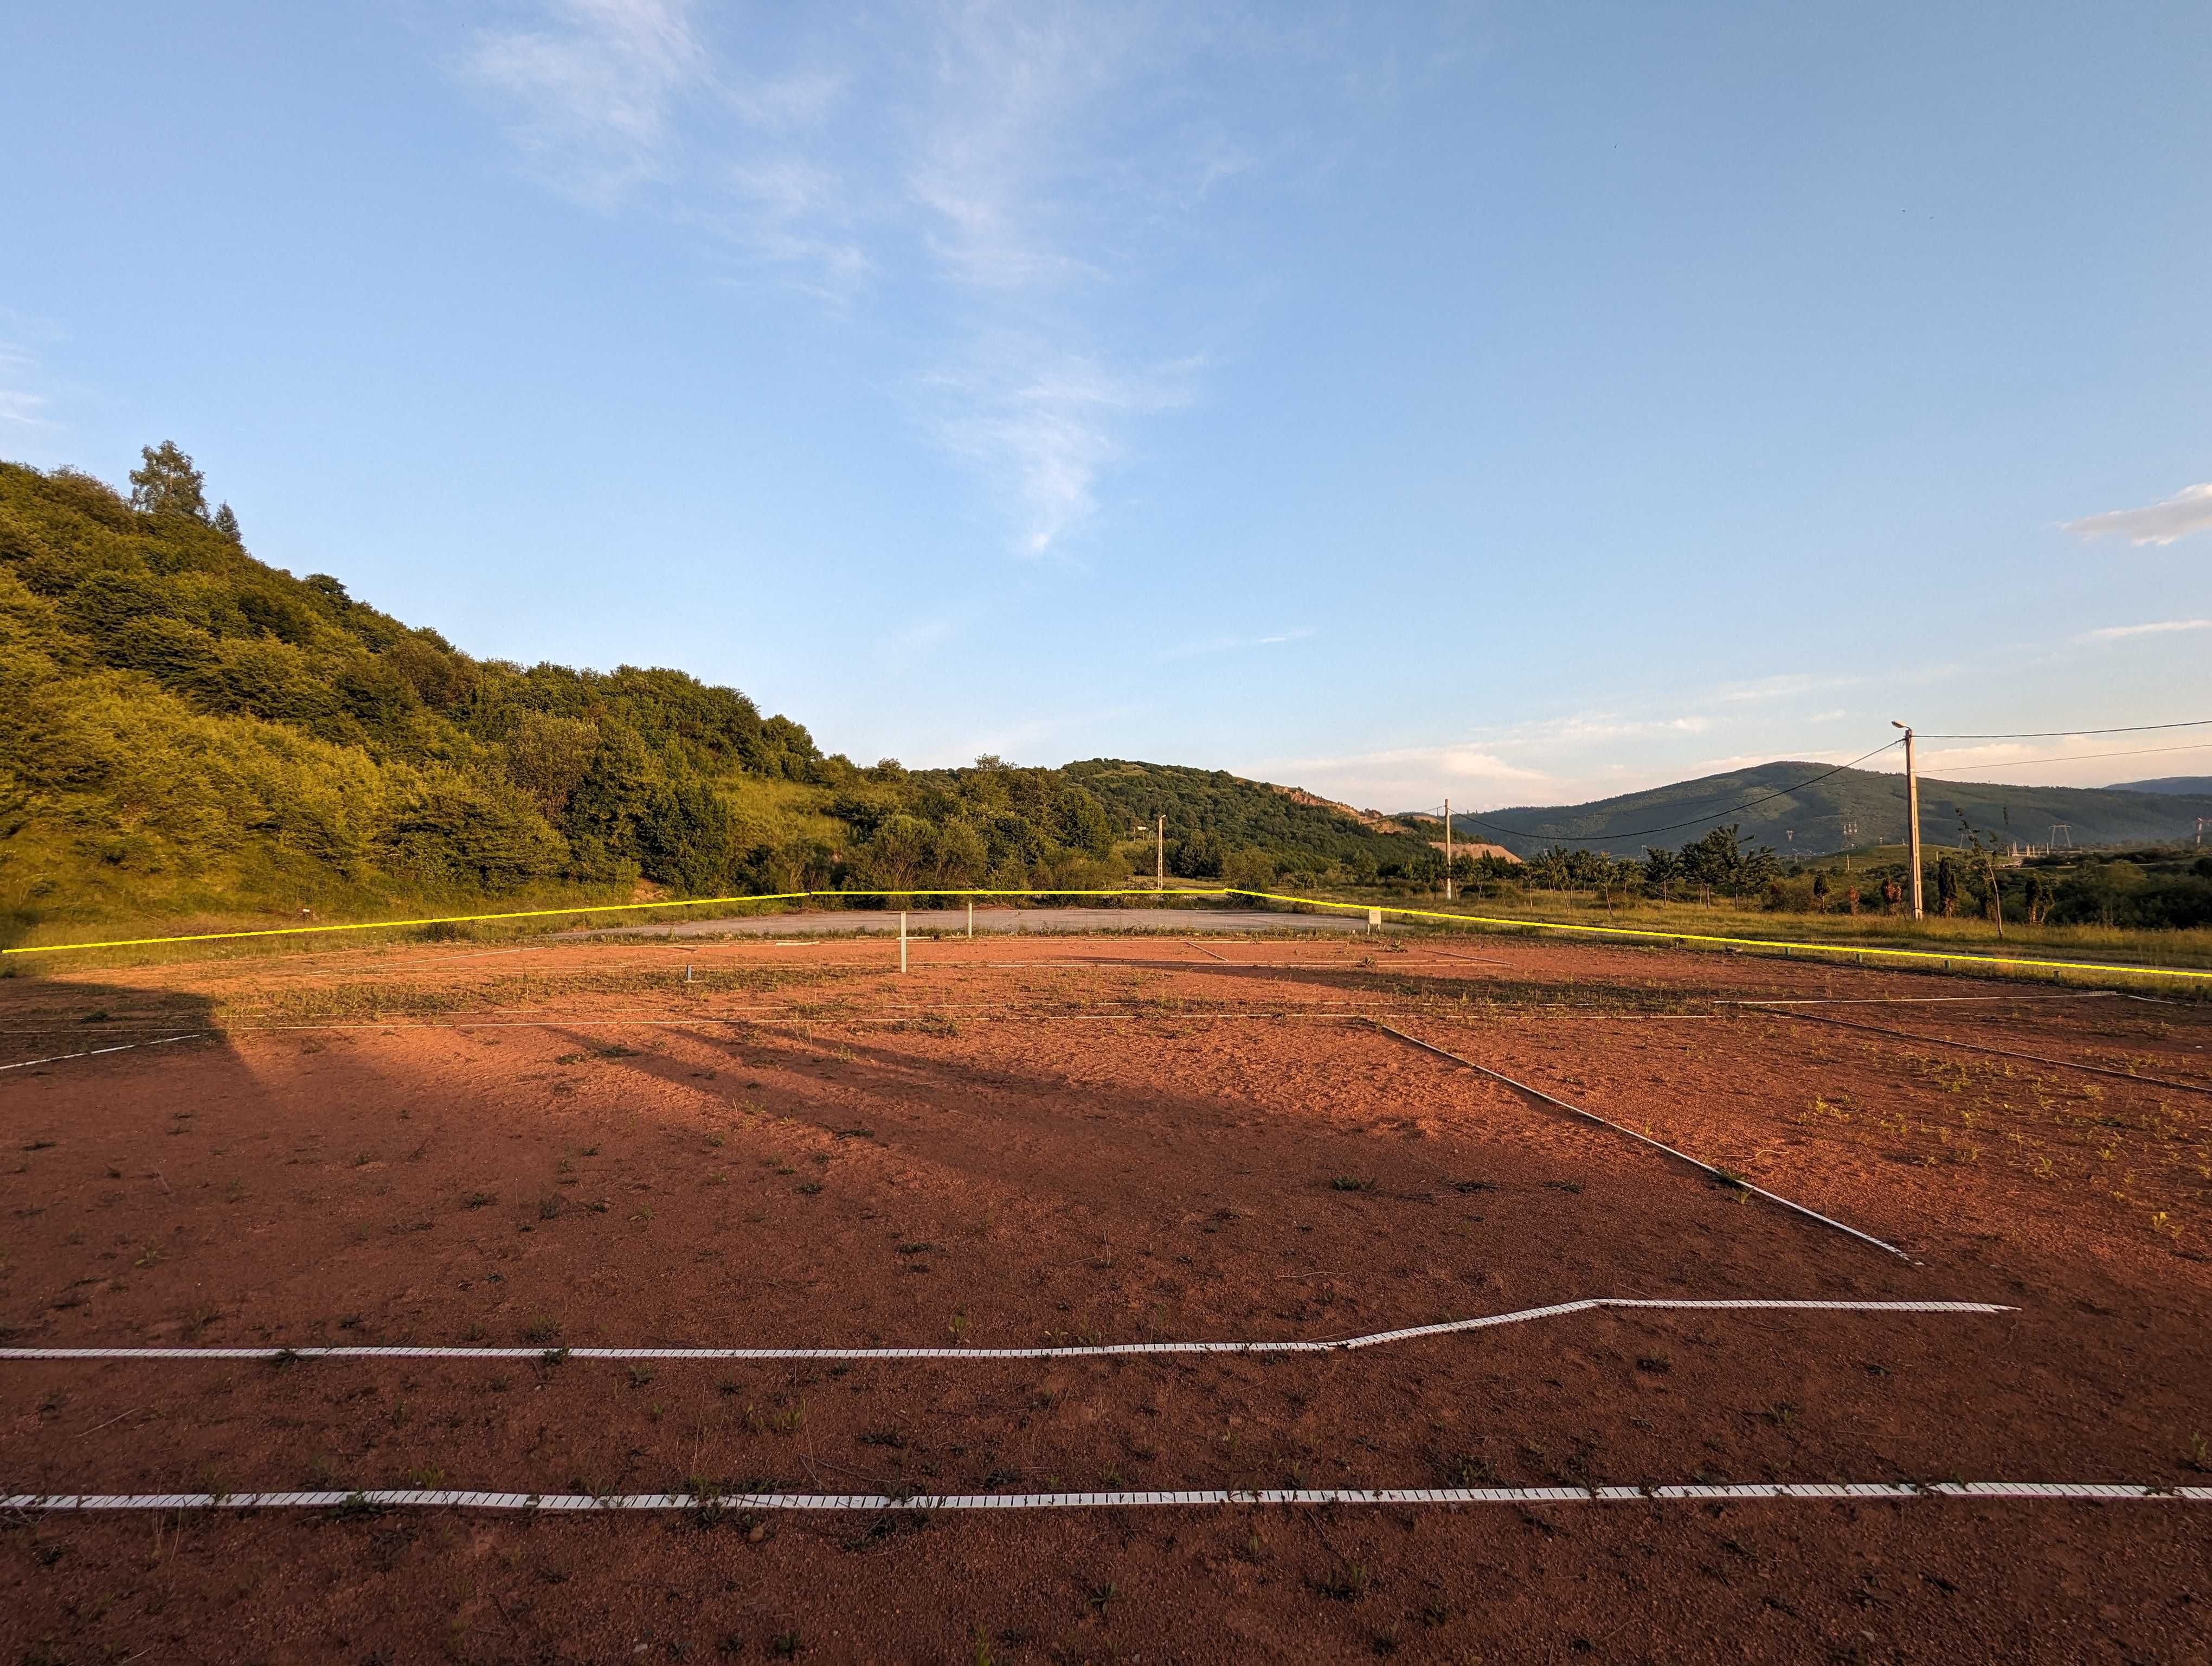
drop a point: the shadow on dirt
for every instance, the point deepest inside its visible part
(55, 1018)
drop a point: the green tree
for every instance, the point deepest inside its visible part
(226, 522)
(1080, 820)
(169, 484)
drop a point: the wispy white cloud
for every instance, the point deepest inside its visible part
(2188, 510)
(20, 404)
(797, 214)
(1209, 645)
(1768, 689)
(1001, 171)
(2156, 627)
(594, 89)
(1041, 430)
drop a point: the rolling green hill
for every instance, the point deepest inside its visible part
(1809, 820)
(2191, 786)
(186, 732)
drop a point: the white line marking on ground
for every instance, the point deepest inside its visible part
(585, 1503)
(94, 1053)
(1374, 1339)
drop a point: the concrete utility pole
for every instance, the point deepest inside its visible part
(1160, 871)
(1447, 850)
(1912, 815)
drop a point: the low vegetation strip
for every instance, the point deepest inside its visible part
(1073, 1351)
(364, 1502)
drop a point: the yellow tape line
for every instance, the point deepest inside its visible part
(1148, 890)
(1752, 942)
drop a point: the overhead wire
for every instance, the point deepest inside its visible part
(2063, 734)
(2075, 757)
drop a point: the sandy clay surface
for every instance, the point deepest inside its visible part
(1086, 1141)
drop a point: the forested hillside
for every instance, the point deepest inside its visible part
(186, 729)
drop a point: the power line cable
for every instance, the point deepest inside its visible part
(2075, 757)
(2063, 734)
(1637, 833)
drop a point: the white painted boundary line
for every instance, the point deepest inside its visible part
(91, 1053)
(407, 1351)
(584, 1504)
(1646, 1139)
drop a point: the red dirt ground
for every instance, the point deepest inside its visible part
(1105, 1138)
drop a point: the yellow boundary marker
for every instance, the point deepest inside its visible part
(1505, 923)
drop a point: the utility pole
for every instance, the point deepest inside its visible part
(1160, 860)
(1912, 815)
(1448, 896)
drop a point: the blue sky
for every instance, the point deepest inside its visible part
(1519, 402)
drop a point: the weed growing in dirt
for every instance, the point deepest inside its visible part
(1345, 1182)
(1470, 1469)
(1347, 1584)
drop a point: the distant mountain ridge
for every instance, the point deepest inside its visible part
(2189, 786)
(1803, 809)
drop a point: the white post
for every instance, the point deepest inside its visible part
(901, 940)
(1448, 896)
(1160, 869)
(971, 916)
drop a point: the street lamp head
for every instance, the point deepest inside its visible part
(1894, 724)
